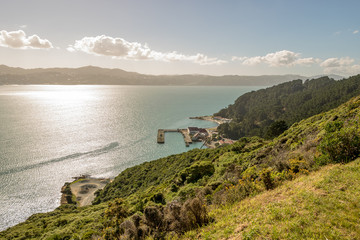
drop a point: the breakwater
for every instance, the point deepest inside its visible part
(184, 132)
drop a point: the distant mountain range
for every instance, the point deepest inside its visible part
(91, 75)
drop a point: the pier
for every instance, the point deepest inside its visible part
(184, 132)
(161, 136)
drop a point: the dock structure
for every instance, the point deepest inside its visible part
(187, 137)
(184, 132)
(161, 136)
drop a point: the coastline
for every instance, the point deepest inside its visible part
(215, 139)
(207, 118)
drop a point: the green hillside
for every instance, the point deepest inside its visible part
(322, 205)
(268, 112)
(174, 196)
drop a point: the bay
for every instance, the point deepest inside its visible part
(49, 134)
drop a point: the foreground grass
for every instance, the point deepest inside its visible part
(322, 205)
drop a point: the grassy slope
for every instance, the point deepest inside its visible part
(246, 160)
(66, 220)
(323, 205)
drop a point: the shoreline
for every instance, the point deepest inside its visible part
(213, 130)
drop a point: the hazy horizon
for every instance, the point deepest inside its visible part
(248, 38)
(180, 74)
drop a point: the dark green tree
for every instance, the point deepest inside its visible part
(275, 129)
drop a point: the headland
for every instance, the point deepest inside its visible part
(82, 190)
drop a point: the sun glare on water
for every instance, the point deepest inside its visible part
(59, 95)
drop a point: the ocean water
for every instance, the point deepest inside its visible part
(49, 134)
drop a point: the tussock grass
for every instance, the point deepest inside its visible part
(322, 205)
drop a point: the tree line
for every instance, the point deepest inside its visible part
(268, 112)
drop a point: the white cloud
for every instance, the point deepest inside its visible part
(356, 32)
(235, 58)
(308, 61)
(23, 26)
(122, 49)
(276, 59)
(337, 62)
(343, 65)
(18, 39)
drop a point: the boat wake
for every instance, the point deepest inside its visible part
(95, 152)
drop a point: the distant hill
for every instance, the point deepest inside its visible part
(268, 112)
(333, 76)
(104, 76)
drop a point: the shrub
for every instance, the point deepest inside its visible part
(298, 165)
(174, 188)
(172, 217)
(114, 215)
(88, 235)
(193, 214)
(341, 143)
(267, 179)
(116, 210)
(275, 129)
(129, 230)
(230, 193)
(197, 171)
(158, 198)
(154, 217)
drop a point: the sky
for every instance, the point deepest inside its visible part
(228, 37)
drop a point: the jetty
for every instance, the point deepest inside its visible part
(184, 132)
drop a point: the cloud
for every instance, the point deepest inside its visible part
(18, 39)
(307, 61)
(343, 65)
(337, 62)
(276, 59)
(356, 32)
(23, 26)
(119, 48)
(234, 58)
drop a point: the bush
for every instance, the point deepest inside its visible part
(154, 217)
(267, 179)
(232, 193)
(184, 217)
(275, 129)
(197, 171)
(341, 143)
(158, 198)
(114, 215)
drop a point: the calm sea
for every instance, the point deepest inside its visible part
(49, 134)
